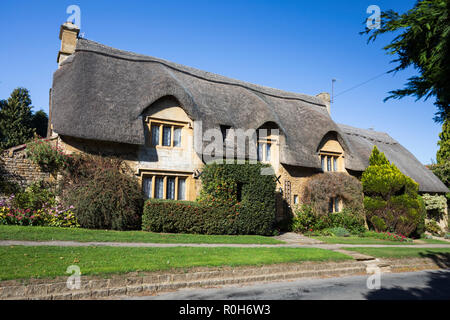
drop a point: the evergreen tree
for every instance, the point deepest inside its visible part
(443, 154)
(391, 199)
(422, 41)
(15, 119)
(40, 123)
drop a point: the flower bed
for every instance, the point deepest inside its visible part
(52, 216)
(387, 236)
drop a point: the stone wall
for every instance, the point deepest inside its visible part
(16, 168)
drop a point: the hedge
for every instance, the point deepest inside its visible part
(171, 216)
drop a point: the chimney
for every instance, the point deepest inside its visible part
(325, 97)
(68, 35)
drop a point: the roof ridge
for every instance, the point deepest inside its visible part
(201, 74)
(367, 134)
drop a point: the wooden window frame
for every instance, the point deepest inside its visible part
(166, 123)
(265, 142)
(165, 175)
(334, 160)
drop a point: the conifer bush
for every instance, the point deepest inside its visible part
(391, 199)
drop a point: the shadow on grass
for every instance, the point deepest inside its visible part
(437, 283)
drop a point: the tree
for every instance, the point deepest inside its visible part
(391, 198)
(443, 154)
(423, 43)
(40, 123)
(15, 119)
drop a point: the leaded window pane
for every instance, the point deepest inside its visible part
(260, 151)
(159, 188)
(147, 187)
(155, 135)
(336, 204)
(181, 189)
(170, 192)
(268, 152)
(177, 137)
(167, 131)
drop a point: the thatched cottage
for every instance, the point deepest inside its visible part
(153, 112)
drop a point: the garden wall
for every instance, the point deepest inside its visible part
(16, 168)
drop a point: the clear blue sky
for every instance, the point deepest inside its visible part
(291, 45)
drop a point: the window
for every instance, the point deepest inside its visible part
(166, 134)
(155, 135)
(177, 137)
(159, 188)
(329, 163)
(170, 191)
(295, 199)
(224, 129)
(264, 151)
(268, 151)
(147, 187)
(181, 188)
(333, 205)
(164, 186)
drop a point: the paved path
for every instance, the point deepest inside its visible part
(420, 285)
(168, 245)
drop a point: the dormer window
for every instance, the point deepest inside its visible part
(166, 134)
(264, 150)
(330, 163)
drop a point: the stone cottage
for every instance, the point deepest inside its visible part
(156, 113)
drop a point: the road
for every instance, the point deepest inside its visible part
(394, 286)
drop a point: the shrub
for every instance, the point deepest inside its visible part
(104, 193)
(391, 199)
(306, 219)
(37, 195)
(348, 220)
(339, 232)
(433, 228)
(49, 158)
(386, 236)
(53, 216)
(323, 186)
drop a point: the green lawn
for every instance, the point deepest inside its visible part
(358, 240)
(434, 241)
(401, 252)
(22, 262)
(86, 235)
(368, 240)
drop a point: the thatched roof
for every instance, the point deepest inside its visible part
(362, 142)
(100, 93)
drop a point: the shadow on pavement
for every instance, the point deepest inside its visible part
(437, 288)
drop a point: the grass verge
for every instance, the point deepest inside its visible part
(86, 235)
(358, 240)
(402, 252)
(23, 262)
